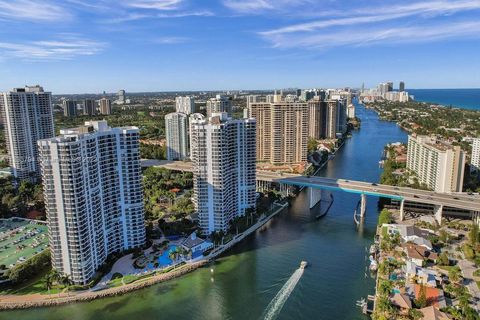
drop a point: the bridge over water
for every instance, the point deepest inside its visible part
(439, 201)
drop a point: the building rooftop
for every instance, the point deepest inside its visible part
(401, 300)
(433, 313)
(192, 241)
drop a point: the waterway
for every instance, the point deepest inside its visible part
(245, 281)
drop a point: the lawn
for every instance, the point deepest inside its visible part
(446, 268)
(32, 286)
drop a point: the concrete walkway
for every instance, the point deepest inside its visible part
(468, 268)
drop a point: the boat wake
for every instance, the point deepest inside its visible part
(275, 306)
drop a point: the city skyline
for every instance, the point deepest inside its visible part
(175, 45)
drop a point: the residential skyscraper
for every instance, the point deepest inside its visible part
(224, 169)
(475, 163)
(389, 86)
(282, 130)
(185, 105)
(438, 165)
(219, 104)
(121, 97)
(401, 86)
(176, 129)
(105, 106)
(89, 107)
(69, 108)
(331, 119)
(27, 116)
(93, 196)
(317, 118)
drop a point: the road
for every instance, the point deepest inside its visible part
(452, 200)
(468, 268)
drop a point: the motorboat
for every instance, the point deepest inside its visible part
(303, 264)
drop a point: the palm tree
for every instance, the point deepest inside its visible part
(454, 274)
(172, 255)
(65, 280)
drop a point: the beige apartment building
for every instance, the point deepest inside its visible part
(437, 164)
(282, 130)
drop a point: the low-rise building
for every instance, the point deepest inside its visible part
(197, 246)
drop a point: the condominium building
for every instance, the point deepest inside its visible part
(27, 117)
(69, 108)
(282, 130)
(475, 163)
(105, 106)
(219, 104)
(93, 196)
(317, 111)
(224, 169)
(89, 107)
(437, 164)
(341, 116)
(176, 129)
(351, 111)
(121, 98)
(185, 105)
(331, 122)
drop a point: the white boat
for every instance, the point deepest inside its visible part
(303, 264)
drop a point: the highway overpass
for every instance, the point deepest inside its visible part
(437, 200)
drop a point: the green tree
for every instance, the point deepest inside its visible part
(415, 314)
(312, 145)
(384, 217)
(474, 235)
(443, 259)
(454, 274)
(421, 301)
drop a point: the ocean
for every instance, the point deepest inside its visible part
(462, 98)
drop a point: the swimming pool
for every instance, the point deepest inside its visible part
(164, 260)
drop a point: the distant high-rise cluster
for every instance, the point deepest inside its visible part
(385, 91)
(223, 158)
(437, 164)
(219, 104)
(176, 132)
(475, 163)
(185, 105)
(93, 196)
(27, 117)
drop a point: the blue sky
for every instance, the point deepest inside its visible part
(77, 46)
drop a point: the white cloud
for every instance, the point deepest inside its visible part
(154, 4)
(64, 48)
(32, 10)
(171, 40)
(393, 35)
(259, 6)
(379, 14)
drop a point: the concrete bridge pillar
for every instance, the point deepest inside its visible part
(314, 196)
(402, 211)
(363, 206)
(438, 211)
(476, 217)
(284, 190)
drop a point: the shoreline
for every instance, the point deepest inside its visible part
(9, 303)
(18, 302)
